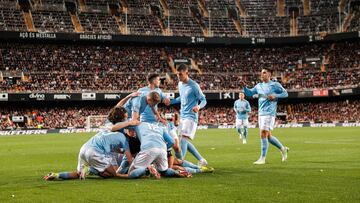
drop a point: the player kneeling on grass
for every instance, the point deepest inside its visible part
(152, 158)
(97, 153)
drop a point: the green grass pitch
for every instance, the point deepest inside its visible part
(323, 166)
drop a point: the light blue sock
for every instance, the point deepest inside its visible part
(192, 149)
(64, 175)
(264, 147)
(137, 173)
(245, 132)
(183, 146)
(192, 170)
(274, 141)
(168, 173)
(189, 165)
(239, 131)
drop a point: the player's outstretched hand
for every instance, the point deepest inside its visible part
(196, 108)
(271, 97)
(242, 84)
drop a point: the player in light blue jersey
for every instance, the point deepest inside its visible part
(153, 137)
(268, 93)
(142, 102)
(192, 100)
(242, 108)
(151, 114)
(98, 152)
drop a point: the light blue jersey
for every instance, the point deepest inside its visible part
(107, 142)
(148, 115)
(153, 135)
(242, 108)
(137, 104)
(190, 95)
(263, 90)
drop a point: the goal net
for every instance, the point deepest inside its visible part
(95, 121)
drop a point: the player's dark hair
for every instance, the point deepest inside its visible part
(117, 114)
(182, 67)
(152, 77)
(268, 70)
(155, 97)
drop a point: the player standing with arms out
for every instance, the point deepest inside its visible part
(268, 92)
(242, 108)
(190, 96)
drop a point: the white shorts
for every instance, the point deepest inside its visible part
(188, 128)
(94, 159)
(145, 158)
(266, 123)
(242, 123)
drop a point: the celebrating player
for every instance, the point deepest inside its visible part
(190, 96)
(97, 152)
(242, 108)
(268, 93)
(153, 85)
(153, 151)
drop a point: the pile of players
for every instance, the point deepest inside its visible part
(137, 141)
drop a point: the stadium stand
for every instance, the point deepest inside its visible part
(86, 67)
(261, 18)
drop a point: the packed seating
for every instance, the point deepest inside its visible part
(56, 67)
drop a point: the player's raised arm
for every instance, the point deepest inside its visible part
(124, 100)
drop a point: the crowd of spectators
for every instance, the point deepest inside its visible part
(57, 67)
(76, 117)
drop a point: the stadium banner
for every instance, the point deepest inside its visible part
(188, 40)
(116, 96)
(200, 127)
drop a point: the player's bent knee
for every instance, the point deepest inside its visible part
(264, 133)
